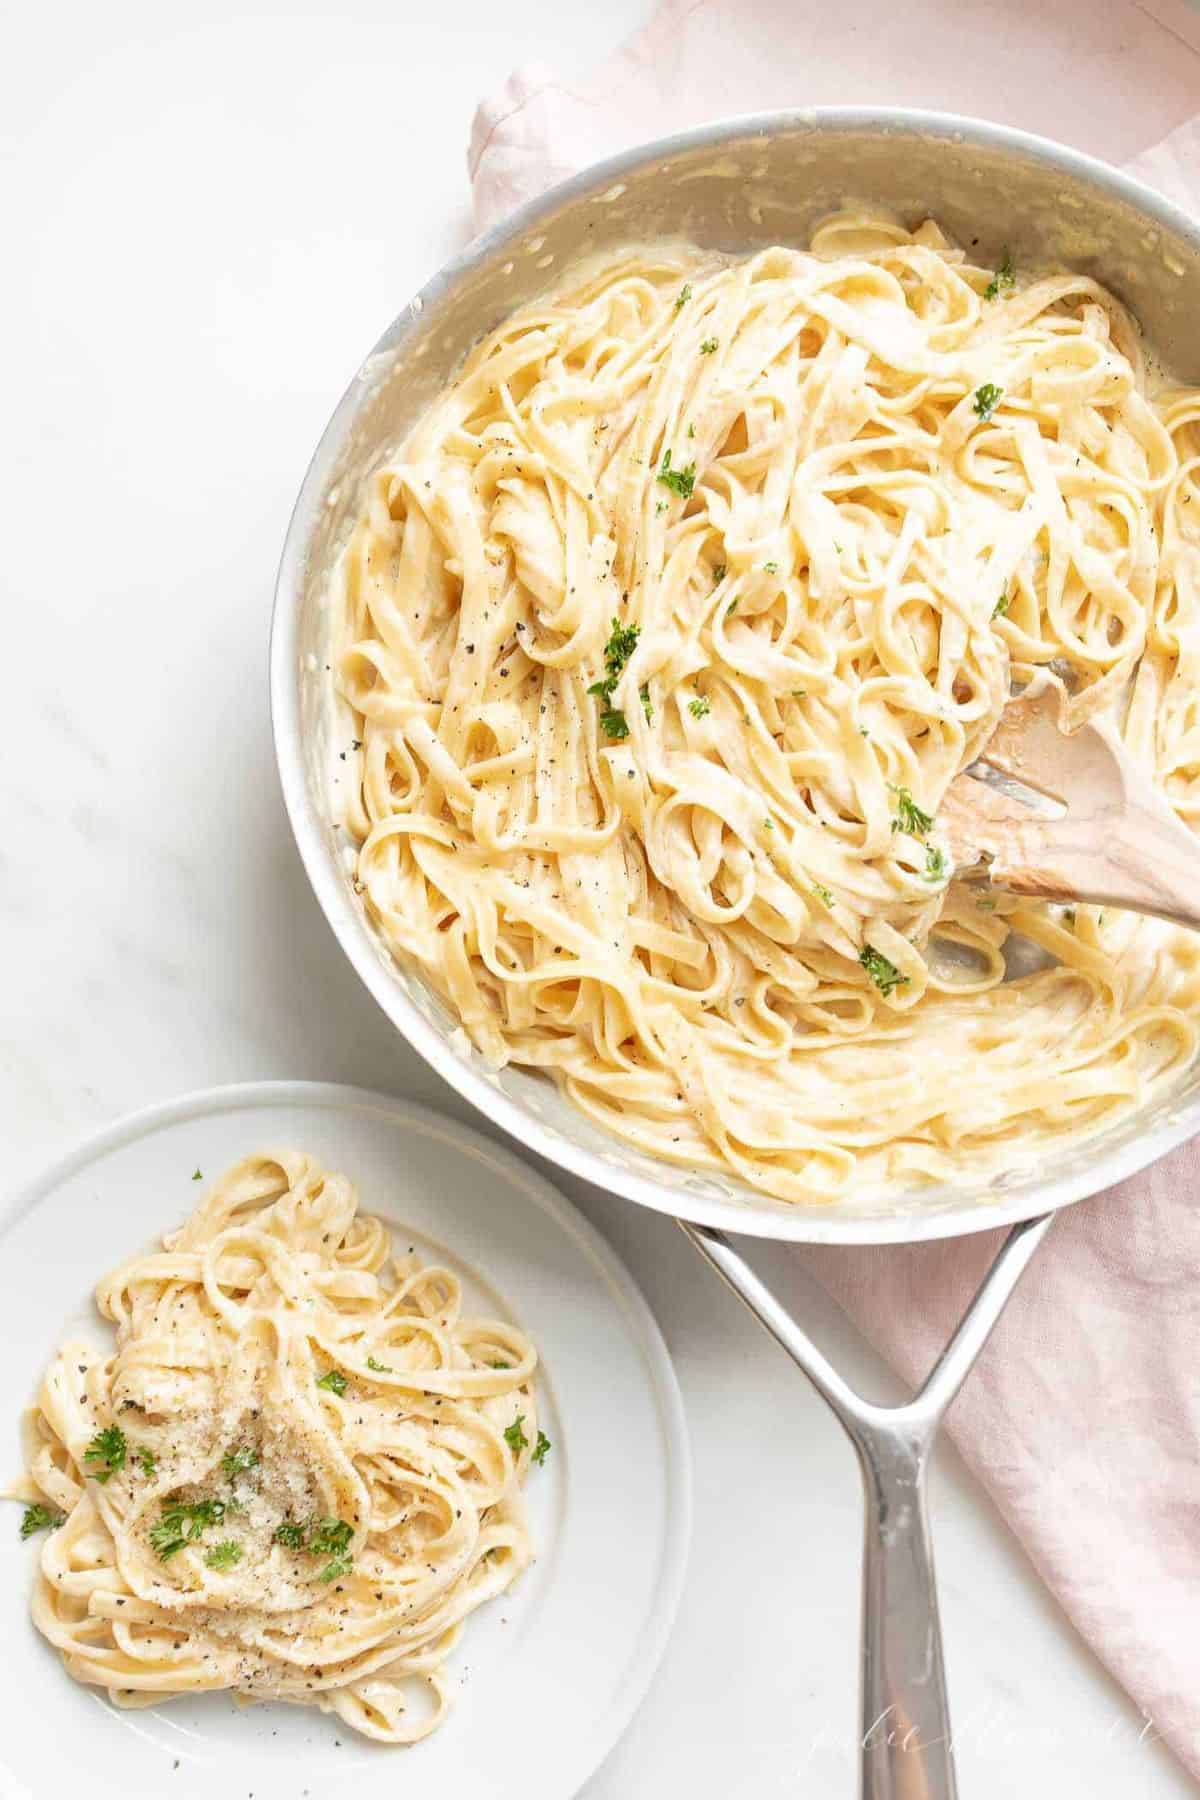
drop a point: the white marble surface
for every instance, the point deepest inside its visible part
(210, 213)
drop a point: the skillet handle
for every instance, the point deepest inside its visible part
(906, 1747)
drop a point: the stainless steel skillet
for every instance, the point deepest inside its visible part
(737, 186)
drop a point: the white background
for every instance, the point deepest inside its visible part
(209, 215)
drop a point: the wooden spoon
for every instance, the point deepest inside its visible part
(1069, 816)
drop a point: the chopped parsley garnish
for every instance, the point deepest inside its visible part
(330, 1537)
(108, 1449)
(986, 905)
(684, 295)
(540, 1448)
(708, 346)
(732, 607)
(183, 1522)
(644, 697)
(987, 398)
(39, 1518)
(620, 646)
(341, 1565)
(1001, 606)
(799, 693)
(236, 1462)
(661, 507)
(719, 574)
(909, 816)
(379, 1368)
(772, 568)
(617, 652)
(698, 708)
(935, 863)
(334, 1381)
(883, 973)
(321, 1537)
(691, 431)
(501, 1365)
(225, 1555)
(196, 1175)
(822, 893)
(680, 481)
(148, 1461)
(614, 724)
(1002, 282)
(1069, 917)
(514, 1437)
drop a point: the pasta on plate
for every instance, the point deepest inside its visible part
(297, 1475)
(661, 639)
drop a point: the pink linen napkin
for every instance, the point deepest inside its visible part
(1083, 1416)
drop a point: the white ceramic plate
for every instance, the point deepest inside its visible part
(551, 1672)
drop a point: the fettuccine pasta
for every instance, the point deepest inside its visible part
(660, 641)
(297, 1475)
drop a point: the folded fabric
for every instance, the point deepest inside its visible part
(1083, 1417)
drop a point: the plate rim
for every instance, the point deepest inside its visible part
(649, 1647)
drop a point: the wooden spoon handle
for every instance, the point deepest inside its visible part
(1149, 864)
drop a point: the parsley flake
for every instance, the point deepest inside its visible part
(289, 1534)
(39, 1518)
(334, 1381)
(680, 481)
(684, 295)
(823, 894)
(987, 398)
(698, 707)
(1001, 606)
(617, 651)
(330, 1537)
(883, 973)
(708, 346)
(236, 1462)
(224, 1555)
(379, 1368)
(1002, 282)
(196, 1176)
(935, 864)
(541, 1448)
(644, 697)
(514, 1437)
(719, 574)
(614, 724)
(341, 1565)
(772, 568)
(909, 816)
(148, 1461)
(182, 1522)
(108, 1449)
